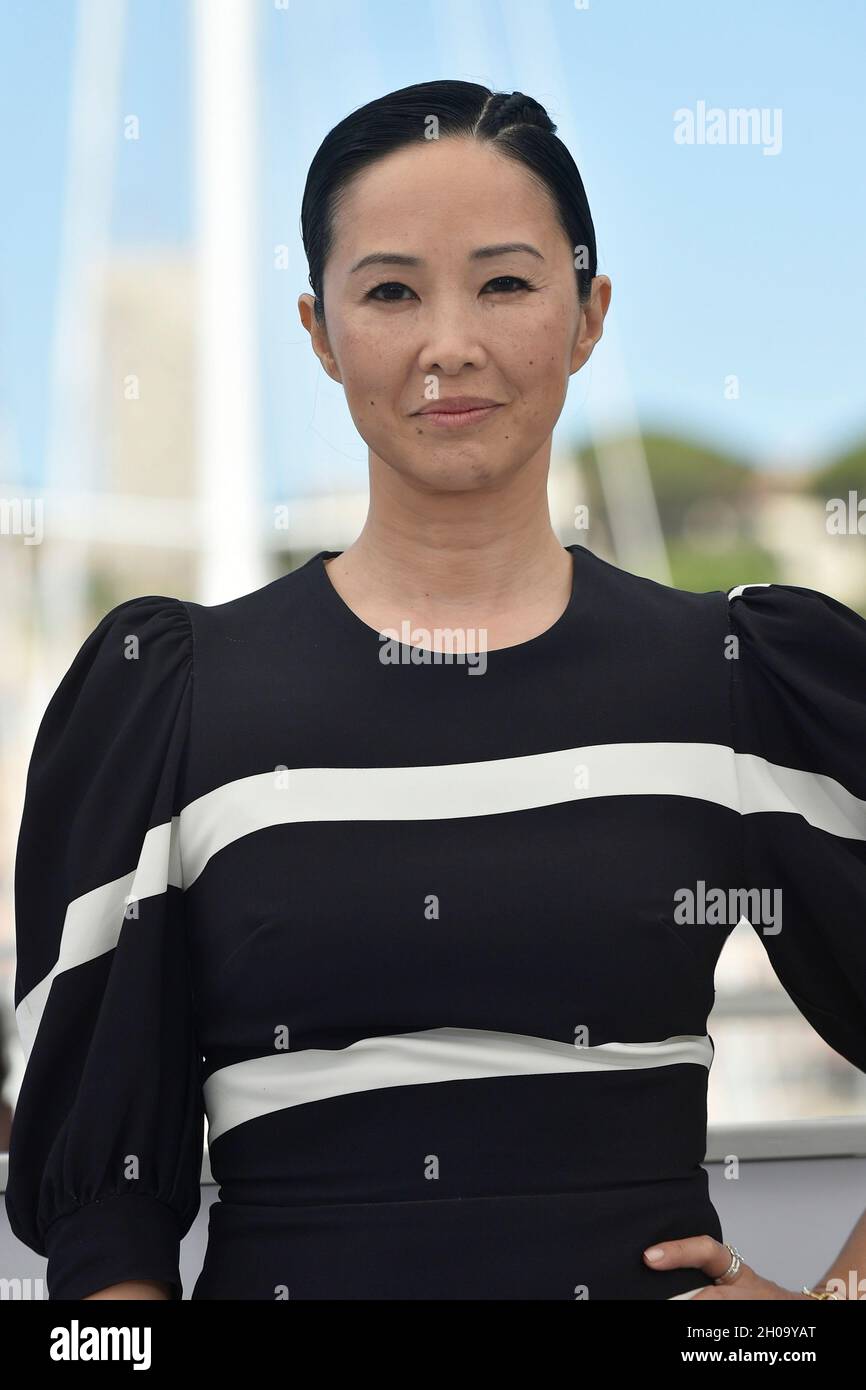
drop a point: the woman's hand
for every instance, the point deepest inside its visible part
(142, 1289)
(713, 1258)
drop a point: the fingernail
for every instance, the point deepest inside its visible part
(655, 1252)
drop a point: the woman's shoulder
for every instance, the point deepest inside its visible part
(280, 609)
(135, 663)
(792, 627)
(146, 636)
(799, 686)
(161, 614)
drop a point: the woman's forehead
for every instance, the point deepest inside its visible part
(405, 204)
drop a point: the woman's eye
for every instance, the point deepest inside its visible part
(513, 279)
(387, 285)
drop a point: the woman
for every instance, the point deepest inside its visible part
(401, 918)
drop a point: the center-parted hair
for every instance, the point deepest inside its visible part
(512, 122)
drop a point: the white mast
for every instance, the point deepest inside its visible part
(231, 557)
(74, 413)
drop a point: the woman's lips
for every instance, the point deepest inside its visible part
(455, 419)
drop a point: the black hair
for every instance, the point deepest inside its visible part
(515, 123)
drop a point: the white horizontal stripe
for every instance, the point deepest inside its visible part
(177, 853)
(247, 1090)
(736, 593)
(820, 800)
(92, 923)
(705, 771)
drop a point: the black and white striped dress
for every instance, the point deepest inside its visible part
(414, 937)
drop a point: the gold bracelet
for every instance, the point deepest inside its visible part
(825, 1294)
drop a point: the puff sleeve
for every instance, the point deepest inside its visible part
(108, 1130)
(798, 705)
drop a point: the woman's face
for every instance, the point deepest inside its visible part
(506, 326)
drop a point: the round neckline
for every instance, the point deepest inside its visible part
(351, 621)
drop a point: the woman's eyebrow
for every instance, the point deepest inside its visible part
(480, 253)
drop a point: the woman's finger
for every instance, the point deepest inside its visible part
(695, 1252)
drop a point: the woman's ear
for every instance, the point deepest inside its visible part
(591, 321)
(318, 336)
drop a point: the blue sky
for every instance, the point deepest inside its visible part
(723, 259)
